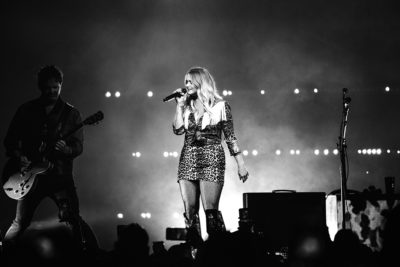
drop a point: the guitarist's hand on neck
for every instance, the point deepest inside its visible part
(63, 148)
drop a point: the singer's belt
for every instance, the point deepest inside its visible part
(206, 141)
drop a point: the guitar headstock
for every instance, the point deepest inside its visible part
(94, 119)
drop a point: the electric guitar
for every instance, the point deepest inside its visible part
(18, 183)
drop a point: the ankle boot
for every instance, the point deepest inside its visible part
(215, 222)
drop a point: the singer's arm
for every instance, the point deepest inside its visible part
(178, 124)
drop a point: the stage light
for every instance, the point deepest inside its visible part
(145, 215)
(120, 216)
(108, 94)
(388, 151)
(367, 172)
(326, 152)
(297, 152)
(291, 152)
(117, 94)
(165, 154)
(359, 151)
(373, 151)
(262, 92)
(315, 90)
(138, 154)
(316, 152)
(278, 152)
(245, 152)
(398, 151)
(149, 93)
(224, 93)
(335, 151)
(379, 151)
(176, 215)
(364, 151)
(296, 91)
(175, 154)
(369, 151)
(387, 89)
(229, 92)
(254, 152)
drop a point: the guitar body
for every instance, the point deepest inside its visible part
(19, 184)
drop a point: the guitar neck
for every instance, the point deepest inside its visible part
(72, 131)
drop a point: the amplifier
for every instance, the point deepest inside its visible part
(281, 215)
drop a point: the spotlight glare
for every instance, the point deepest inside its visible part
(367, 172)
(335, 151)
(245, 152)
(379, 151)
(326, 152)
(359, 151)
(224, 92)
(133, 154)
(254, 152)
(138, 154)
(165, 154)
(120, 216)
(108, 94)
(149, 93)
(278, 152)
(296, 91)
(373, 151)
(388, 151)
(229, 92)
(398, 151)
(297, 152)
(315, 90)
(369, 151)
(316, 151)
(262, 92)
(292, 152)
(117, 94)
(364, 151)
(387, 89)
(175, 154)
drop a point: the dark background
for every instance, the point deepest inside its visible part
(148, 45)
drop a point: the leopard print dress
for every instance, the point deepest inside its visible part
(203, 156)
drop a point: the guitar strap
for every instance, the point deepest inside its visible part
(62, 119)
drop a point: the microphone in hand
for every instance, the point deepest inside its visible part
(180, 92)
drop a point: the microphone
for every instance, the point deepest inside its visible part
(347, 100)
(176, 94)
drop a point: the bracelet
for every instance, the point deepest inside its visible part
(237, 153)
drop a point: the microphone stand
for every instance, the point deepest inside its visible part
(342, 146)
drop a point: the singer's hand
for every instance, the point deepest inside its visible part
(180, 100)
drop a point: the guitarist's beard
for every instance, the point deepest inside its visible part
(48, 100)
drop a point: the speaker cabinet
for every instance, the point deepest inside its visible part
(365, 215)
(281, 215)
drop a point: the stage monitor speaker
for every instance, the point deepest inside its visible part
(281, 215)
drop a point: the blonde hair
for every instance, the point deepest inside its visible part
(204, 82)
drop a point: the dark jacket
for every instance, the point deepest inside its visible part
(31, 126)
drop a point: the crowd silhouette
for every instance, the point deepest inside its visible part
(243, 247)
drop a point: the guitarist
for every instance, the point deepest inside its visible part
(34, 130)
